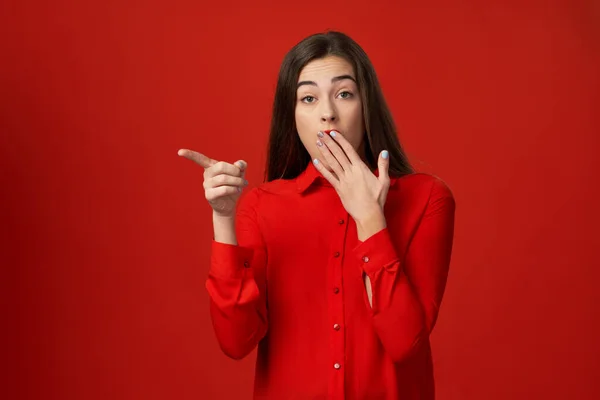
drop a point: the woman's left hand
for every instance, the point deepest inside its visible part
(362, 193)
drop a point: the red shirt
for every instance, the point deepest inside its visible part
(294, 286)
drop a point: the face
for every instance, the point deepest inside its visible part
(327, 98)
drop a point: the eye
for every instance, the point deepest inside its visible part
(345, 94)
(307, 99)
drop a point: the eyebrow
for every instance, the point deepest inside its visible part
(333, 80)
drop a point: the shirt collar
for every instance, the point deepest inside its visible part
(308, 177)
(311, 175)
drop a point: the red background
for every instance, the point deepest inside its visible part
(105, 231)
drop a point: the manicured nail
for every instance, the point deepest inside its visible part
(332, 133)
(319, 143)
(320, 134)
(239, 189)
(385, 154)
(315, 161)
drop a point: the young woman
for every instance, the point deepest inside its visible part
(336, 265)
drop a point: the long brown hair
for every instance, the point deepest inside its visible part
(286, 155)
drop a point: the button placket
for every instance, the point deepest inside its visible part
(336, 307)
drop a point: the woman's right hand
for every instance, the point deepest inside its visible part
(223, 182)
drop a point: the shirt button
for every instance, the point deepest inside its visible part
(246, 264)
(336, 327)
(366, 259)
(336, 290)
(336, 254)
(337, 366)
(341, 222)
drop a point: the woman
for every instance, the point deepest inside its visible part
(335, 268)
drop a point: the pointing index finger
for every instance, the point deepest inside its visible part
(198, 158)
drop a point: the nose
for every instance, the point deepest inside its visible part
(328, 116)
(328, 113)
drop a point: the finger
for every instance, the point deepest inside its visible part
(221, 191)
(223, 167)
(346, 146)
(336, 150)
(198, 158)
(384, 163)
(224, 180)
(331, 160)
(325, 172)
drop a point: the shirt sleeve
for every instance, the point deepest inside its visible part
(236, 284)
(406, 295)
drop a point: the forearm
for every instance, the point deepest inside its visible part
(407, 284)
(395, 309)
(398, 315)
(238, 314)
(236, 287)
(236, 280)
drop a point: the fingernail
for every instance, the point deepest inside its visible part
(332, 133)
(320, 134)
(385, 154)
(245, 182)
(319, 143)
(239, 189)
(315, 161)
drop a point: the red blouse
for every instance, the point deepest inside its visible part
(294, 286)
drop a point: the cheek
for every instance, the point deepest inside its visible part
(301, 119)
(305, 131)
(357, 129)
(305, 120)
(357, 114)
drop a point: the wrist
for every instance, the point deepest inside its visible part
(224, 229)
(370, 223)
(223, 217)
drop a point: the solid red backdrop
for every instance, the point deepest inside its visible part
(105, 231)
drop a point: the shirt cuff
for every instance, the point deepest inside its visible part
(229, 261)
(376, 253)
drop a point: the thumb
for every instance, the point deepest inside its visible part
(383, 164)
(242, 165)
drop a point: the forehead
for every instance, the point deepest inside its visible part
(325, 69)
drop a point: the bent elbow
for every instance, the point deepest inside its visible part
(402, 350)
(236, 351)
